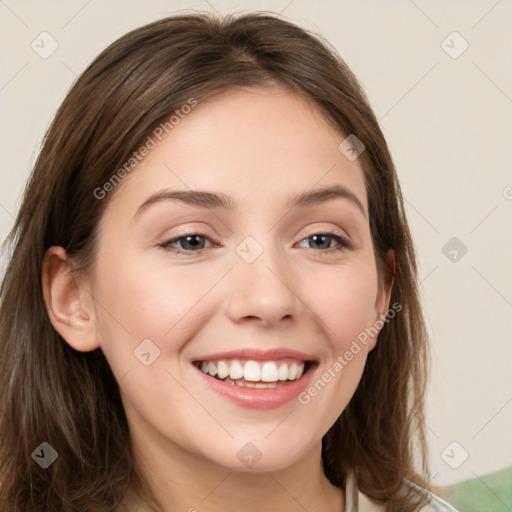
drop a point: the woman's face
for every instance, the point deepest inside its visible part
(252, 258)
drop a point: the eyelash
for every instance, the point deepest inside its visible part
(343, 243)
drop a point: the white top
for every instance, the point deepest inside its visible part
(356, 501)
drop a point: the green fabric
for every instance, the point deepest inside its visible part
(489, 493)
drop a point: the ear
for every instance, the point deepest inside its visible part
(383, 296)
(69, 303)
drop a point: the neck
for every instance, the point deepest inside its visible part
(183, 481)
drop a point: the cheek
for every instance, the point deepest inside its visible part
(138, 301)
(344, 300)
(141, 302)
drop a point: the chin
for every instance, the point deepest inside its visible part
(262, 455)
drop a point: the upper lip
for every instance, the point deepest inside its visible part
(255, 354)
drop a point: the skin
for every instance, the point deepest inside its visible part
(260, 147)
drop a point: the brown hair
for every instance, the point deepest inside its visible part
(52, 393)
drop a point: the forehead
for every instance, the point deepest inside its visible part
(263, 143)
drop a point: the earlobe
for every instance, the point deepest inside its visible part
(68, 303)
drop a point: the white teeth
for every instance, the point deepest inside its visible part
(282, 373)
(262, 385)
(266, 385)
(269, 372)
(236, 370)
(212, 369)
(254, 371)
(222, 370)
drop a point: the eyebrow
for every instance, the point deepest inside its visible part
(216, 200)
(324, 194)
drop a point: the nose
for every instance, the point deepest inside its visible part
(263, 292)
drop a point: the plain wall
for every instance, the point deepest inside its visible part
(448, 121)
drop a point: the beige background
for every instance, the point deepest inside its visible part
(448, 122)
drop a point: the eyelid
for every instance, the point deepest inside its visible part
(192, 227)
(334, 231)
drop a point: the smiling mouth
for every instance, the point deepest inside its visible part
(256, 374)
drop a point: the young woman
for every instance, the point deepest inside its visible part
(211, 301)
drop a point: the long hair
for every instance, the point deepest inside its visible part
(50, 393)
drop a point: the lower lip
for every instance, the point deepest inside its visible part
(258, 398)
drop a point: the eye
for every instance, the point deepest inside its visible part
(193, 242)
(326, 242)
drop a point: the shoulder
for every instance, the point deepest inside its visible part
(356, 501)
(435, 504)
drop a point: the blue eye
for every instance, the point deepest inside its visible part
(326, 242)
(194, 242)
